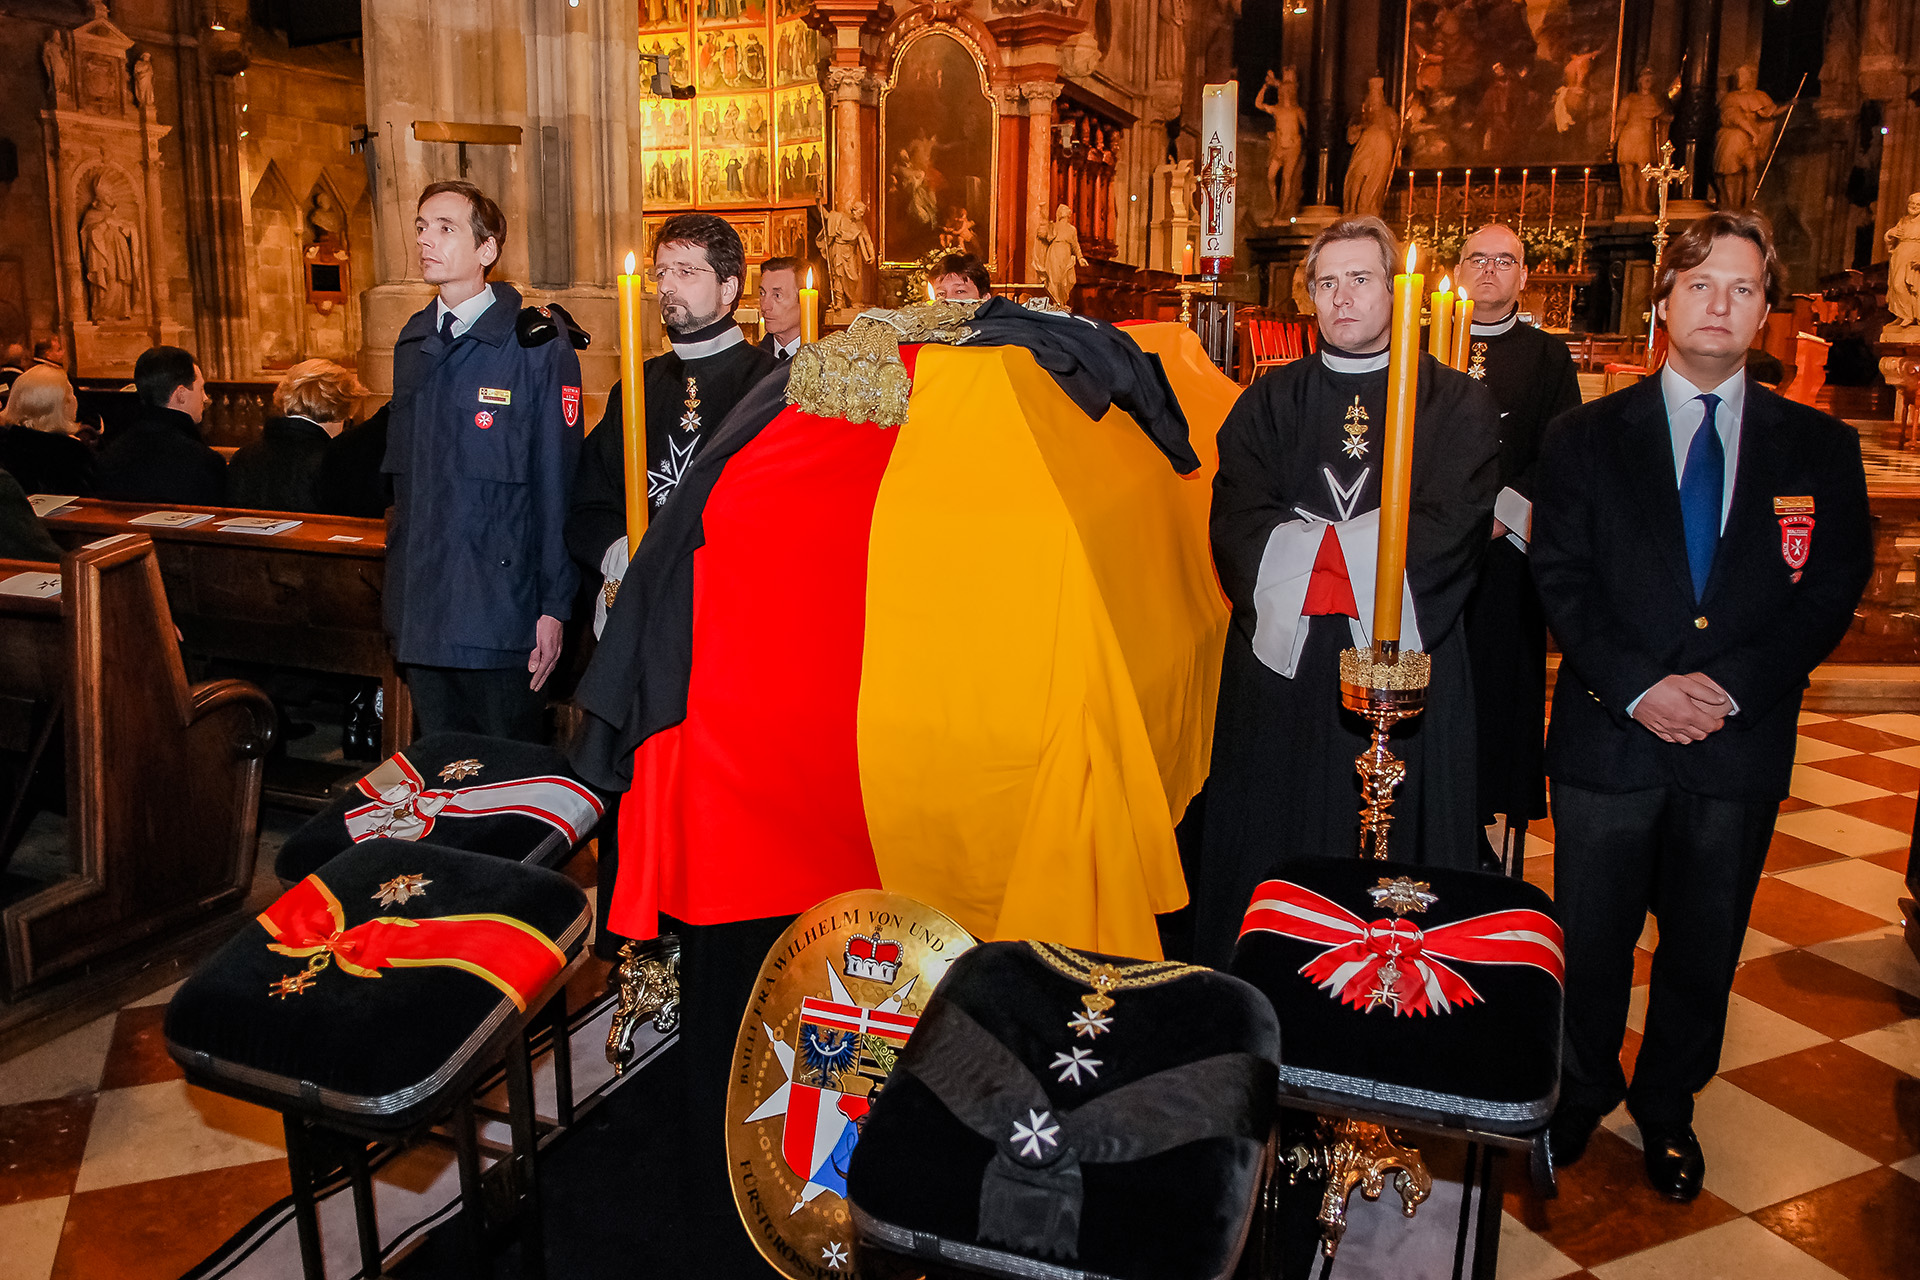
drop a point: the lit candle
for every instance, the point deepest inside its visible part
(1409, 227)
(930, 297)
(1462, 330)
(1580, 246)
(1437, 175)
(1553, 192)
(1440, 324)
(1521, 225)
(633, 413)
(809, 311)
(1466, 201)
(1396, 459)
(1186, 262)
(1496, 194)
(1219, 139)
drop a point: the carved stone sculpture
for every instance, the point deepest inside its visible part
(845, 243)
(1903, 272)
(143, 81)
(1060, 254)
(106, 249)
(1285, 153)
(1641, 118)
(1373, 132)
(1741, 146)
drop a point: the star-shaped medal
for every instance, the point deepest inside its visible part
(1090, 1023)
(401, 890)
(661, 483)
(460, 769)
(1383, 992)
(690, 420)
(1071, 1063)
(1355, 447)
(1037, 1133)
(835, 1256)
(293, 984)
(1403, 895)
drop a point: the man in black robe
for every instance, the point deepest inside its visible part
(1295, 532)
(1532, 378)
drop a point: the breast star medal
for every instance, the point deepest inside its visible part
(690, 420)
(1356, 427)
(1403, 895)
(401, 890)
(460, 769)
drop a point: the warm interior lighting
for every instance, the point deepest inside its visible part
(629, 264)
(1413, 257)
(1446, 282)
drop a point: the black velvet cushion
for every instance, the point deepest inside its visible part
(383, 1044)
(1143, 1162)
(1458, 1041)
(447, 788)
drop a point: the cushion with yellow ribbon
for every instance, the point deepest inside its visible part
(515, 800)
(379, 982)
(1421, 993)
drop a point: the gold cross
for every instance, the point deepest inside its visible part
(1663, 175)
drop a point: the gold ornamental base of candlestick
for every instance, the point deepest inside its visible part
(1355, 1155)
(1385, 686)
(1188, 289)
(648, 982)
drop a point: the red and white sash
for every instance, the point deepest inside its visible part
(402, 807)
(1396, 963)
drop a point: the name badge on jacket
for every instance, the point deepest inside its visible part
(1796, 531)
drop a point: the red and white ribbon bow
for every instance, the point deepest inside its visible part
(1396, 963)
(402, 807)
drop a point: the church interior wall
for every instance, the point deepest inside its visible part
(29, 301)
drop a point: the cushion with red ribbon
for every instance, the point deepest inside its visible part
(1418, 992)
(1062, 1114)
(515, 800)
(378, 982)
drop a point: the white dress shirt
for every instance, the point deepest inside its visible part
(786, 350)
(1685, 413)
(466, 313)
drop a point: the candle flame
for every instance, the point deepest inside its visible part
(1413, 257)
(629, 264)
(809, 277)
(1446, 284)
(930, 297)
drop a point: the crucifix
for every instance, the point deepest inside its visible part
(1663, 175)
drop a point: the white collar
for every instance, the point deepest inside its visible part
(1355, 364)
(467, 312)
(1498, 327)
(1678, 392)
(787, 349)
(710, 346)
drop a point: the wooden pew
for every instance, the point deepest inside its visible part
(307, 598)
(163, 778)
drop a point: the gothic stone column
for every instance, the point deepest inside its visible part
(1039, 97)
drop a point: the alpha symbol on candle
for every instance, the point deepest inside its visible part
(1356, 428)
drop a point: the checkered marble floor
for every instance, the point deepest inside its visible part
(112, 1166)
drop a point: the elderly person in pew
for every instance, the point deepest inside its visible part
(281, 471)
(38, 444)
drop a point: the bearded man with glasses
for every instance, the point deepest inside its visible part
(1532, 378)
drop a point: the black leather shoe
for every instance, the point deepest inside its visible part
(1568, 1133)
(1675, 1165)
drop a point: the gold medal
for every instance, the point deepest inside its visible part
(1356, 428)
(835, 1001)
(1095, 1017)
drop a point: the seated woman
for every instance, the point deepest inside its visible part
(281, 470)
(37, 441)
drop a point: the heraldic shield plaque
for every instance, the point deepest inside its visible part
(836, 999)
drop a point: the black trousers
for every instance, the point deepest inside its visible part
(1693, 861)
(495, 701)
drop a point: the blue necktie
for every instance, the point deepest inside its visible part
(446, 327)
(1701, 492)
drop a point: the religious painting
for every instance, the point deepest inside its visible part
(802, 172)
(787, 234)
(796, 54)
(666, 124)
(1510, 82)
(669, 177)
(663, 13)
(937, 141)
(674, 46)
(732, 60)
(728, 13)
(753, 235)
(800, 115)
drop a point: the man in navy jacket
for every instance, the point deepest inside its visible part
(483, 438)
(1699, 547)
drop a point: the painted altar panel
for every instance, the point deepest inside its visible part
(1510, 82)
(937, 133)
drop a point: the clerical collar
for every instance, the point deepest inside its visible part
(709, 341)
(1495, 328)
(1339, 361)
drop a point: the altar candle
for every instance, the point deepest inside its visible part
(1186, 262)
(809, 312)
(1462, 331)
(1440, 322)
(1553, 191)
(1580, 245)
(1496, 193)
(1437, 175)
(633, 413)
(1466, 201)
(1219, 129)
(1408, 231)
(1396, 461)
(1521, 225)
(1586, 184)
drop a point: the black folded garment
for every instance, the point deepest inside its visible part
(510, 799)
(377, 984)
(1436, 999)
(1034, 1127)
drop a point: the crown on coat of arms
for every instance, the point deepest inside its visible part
(872, 957)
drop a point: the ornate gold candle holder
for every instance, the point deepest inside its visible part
(1385, 686)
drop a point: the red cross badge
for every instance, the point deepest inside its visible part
(483, 419)
(1796, 541)
(570, 405)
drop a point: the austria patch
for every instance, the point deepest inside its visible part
(570, 405)
(1796, 541)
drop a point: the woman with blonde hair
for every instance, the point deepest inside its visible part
(281, 470)
(37, 441)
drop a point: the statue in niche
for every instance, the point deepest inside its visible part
(1741, 145)
(325, 219)
(106, 252)
(143, 82)
(1285, 153)
(1642, 116)
(1903, 272)
(59, 73)
(1059, 254)
(1170, 48)
(1373, 132)
(845, 243)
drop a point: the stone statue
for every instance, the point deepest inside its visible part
(1741, 147)
(1060, 253)
(143, 81)
(1285, 154)
(1642, 116)
(1373, 132)
(59, 74)
(106, 252)
(1170, 41)
(326, 219)
(1903, 269)
(845, 243)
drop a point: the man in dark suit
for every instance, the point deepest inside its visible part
(1699, 547)
(160, 457)
(780, 307)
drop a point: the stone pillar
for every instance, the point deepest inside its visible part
(1890, 71)
(1039, 97)
(1322, 197)
(855, 94)
(569, 80)
(1697, 119)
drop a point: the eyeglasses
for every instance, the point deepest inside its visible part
(680, 273)
(1498, 262)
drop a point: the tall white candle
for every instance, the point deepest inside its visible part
(1219, 131)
